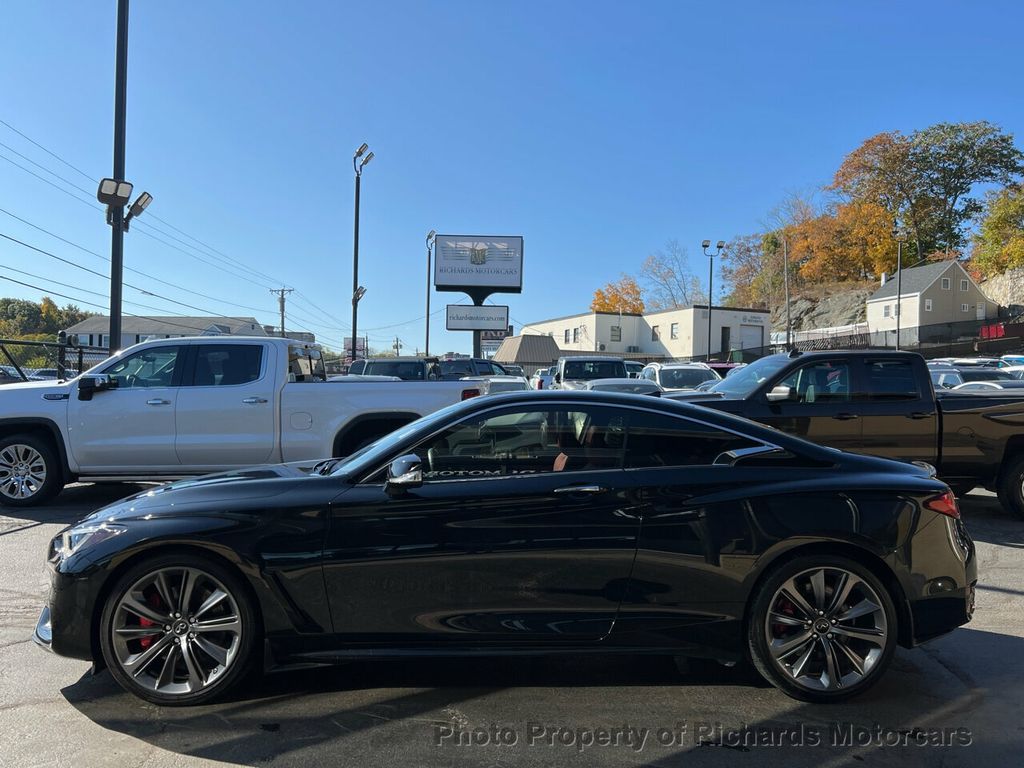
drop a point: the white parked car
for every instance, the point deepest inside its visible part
(169, 408)
(630, 385)
(676, 376)
(490, 385)
(542, 378)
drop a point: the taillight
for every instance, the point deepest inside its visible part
(944, 504)
(468, 393)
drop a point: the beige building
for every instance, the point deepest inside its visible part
(939, 302)
(671, 333)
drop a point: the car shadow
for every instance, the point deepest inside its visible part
(359, 713)
(74, 502)
(988, 521)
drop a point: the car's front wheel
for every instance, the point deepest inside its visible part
(30, 472)
(1011, 486)
(822, 628)
(178, 629)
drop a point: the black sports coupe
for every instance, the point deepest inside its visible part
(525, 523)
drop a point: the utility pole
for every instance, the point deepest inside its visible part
(397, 346)
(785, 273)
(281, 293)
(117, 211)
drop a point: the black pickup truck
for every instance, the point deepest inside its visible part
(882, 403)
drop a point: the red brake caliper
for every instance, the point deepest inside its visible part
(787, 608)
(154, 602)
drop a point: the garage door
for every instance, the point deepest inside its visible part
(751, 336)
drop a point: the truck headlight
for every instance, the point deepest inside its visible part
(81, 536)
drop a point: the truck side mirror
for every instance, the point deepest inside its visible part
(780, 393)
(90, 385)
(558, 378)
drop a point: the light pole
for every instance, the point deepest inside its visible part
(785, 280)
(115, 194)
(357, 291)
(430, 245)
(900, 239)
(711, 276)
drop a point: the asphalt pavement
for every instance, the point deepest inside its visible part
(956, 701)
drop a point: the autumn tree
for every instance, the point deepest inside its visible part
(622, 295)
(852, 241)
(999, 243)
(667, 279)
(752, 269)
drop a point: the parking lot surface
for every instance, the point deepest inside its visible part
(956, 701)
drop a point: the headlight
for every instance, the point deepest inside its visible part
(81, 536)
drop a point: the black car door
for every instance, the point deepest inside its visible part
(524, 529)
(821, 407)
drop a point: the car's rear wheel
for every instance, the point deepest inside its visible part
(30, 472)
(1011, 486)
(178, 629)
(822, 628)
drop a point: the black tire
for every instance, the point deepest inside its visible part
(118, 652)
(874, 661)
(20, 484)
(1011, 486)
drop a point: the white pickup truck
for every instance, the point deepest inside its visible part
(170, 408)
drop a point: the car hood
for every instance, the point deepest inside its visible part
(220, 492)
(574, 383)
(41, 386)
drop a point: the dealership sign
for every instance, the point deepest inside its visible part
(463, 317)
(473, 262)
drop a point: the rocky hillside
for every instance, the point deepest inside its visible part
(1007, 290)
(825, 306)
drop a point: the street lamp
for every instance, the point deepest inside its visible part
(711, 273)
(900, 239)
(430, 245)
(115, 194)
(359, 161)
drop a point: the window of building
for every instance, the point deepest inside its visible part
(655, 333)
(946, 284)
(927, 305)
(885, 311)
(965, 307)
(673, 331)
(963, 285)
(616, 333)
(575, 335)
(566, 335)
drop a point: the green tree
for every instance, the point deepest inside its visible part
(999, 243)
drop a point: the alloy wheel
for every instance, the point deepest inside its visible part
(22, 471)
(176, 631)
(826, 629)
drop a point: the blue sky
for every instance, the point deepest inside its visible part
(597, 130)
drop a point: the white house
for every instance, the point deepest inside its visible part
(93, 331)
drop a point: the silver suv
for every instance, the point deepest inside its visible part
(675, 376)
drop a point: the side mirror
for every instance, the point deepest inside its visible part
(405, 473)
(98, 382)
(780, 393)
(558, 378)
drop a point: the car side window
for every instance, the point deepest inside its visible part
(526, 441)
(153, 367)
(221, 365)
(820, 382)
(357, 367)
(890, 380)
(657, 440)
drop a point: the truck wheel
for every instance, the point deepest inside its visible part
(822, 628)
(1011, 486)
(29, 471)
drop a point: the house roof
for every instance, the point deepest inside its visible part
(172, 326)
(915, 280)
(528, 348)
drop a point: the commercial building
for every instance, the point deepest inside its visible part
(679, 333)
(938, 303)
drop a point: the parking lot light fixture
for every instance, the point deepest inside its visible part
(357, 167)
(141, 203)
(705, 244)
(114, 192)
(426, 320)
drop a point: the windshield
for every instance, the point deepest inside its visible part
(584, 370)
(685, 378)
(750, 377)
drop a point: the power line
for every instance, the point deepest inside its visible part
(52, 154)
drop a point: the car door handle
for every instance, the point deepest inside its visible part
(581, 489)
(254, 400)
(158, 401)
(846, 416)
(919, 415)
